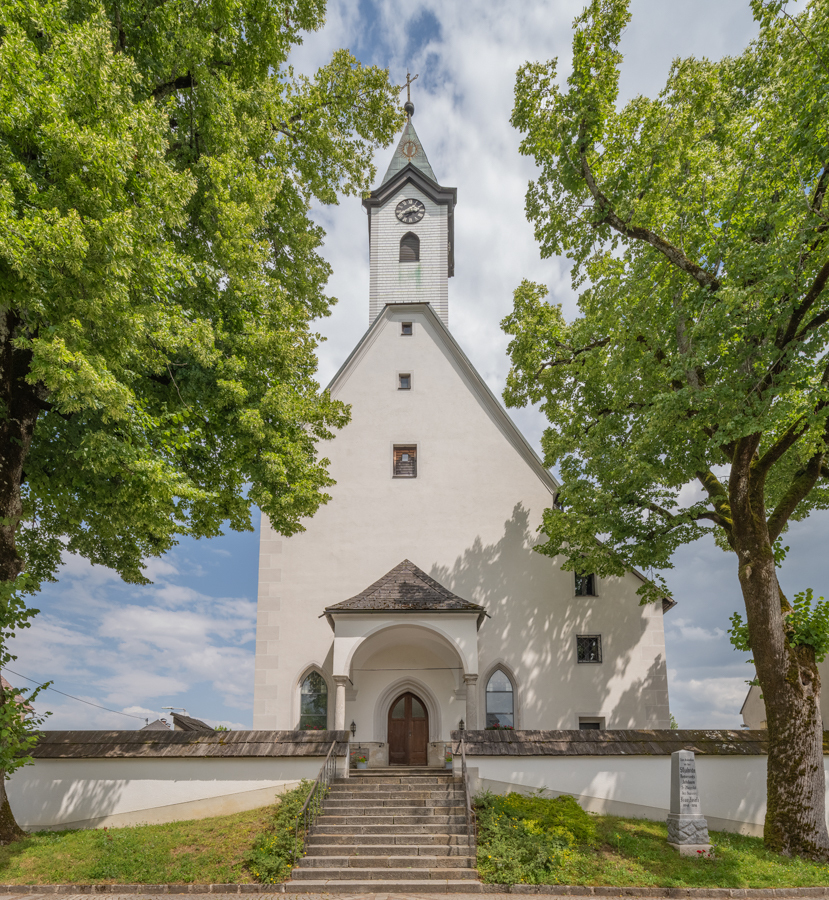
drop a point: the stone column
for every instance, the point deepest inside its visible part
(471, 682)
(339, 704)
(687, 827)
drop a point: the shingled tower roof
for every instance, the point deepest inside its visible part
(409, 150)
(406, 588)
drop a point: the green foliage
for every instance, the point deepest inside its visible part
(807, 625)
(221, 728)
(159, 268)
(271, 858)
(18, 721)
(696, 224)
(674, 723)
(526, 839)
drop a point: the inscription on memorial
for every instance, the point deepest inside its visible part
(687, 828)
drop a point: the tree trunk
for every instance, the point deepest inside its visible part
(19, 408)
(796, 791)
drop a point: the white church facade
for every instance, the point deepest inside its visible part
(414, 601)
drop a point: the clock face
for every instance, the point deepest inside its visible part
(410, 211)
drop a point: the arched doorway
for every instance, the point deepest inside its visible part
(408, 731)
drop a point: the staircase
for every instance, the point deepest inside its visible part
(390, 830)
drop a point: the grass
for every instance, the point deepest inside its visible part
(206, 851)
(633, 852)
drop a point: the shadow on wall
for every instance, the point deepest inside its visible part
(41, 800)
(537, 637)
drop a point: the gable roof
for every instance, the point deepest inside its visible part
(400, 159)
(489, 401)
(405, 588)
(188, 723)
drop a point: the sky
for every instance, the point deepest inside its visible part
(187, 640)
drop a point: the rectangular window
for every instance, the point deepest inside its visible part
(405, 462)
(589, 648)
(591, 724)
(585, 585)
(406, 329)
(404, 382)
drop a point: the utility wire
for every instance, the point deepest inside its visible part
(72, 697)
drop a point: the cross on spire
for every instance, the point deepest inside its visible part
(409, 81)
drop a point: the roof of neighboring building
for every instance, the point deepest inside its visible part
(406, 588)
(158, 725)
(624, 742)
(409, 150)
(186, 744)
(188, 723)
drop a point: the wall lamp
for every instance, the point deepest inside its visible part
(353, 728)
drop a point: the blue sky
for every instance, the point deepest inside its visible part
(187, 640)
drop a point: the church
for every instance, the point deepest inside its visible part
(414, 604)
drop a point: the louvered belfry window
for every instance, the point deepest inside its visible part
(405, 462)
(410, 247)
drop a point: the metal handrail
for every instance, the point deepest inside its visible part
(313, 802)
(470, 812)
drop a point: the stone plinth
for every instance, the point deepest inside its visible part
(687, 827)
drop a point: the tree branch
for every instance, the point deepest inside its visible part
(183, 82)
(636, 232)
(718, 496)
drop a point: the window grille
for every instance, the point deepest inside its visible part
(405, 462)
(313, 703)
(585, 585)
(589, 648)
(410, 247)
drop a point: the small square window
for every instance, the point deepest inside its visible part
(406, 329)
(589, 648)
(585, 585)
(405, 462)
(591, 724)
(404, 382)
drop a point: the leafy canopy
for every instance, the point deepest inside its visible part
(159, 269)
(699, 237)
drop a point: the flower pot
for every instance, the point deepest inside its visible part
(362, 765)
(449, 764)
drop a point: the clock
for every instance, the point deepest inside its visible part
(410, 211)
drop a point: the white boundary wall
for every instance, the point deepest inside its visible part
(57, 794)
(732, 788)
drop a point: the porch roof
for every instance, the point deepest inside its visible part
(406, 588)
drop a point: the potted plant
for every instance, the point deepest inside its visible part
(362, 762)
(448, 760)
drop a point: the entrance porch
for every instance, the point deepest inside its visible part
(405, 668)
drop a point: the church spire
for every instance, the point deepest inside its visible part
(409, 149)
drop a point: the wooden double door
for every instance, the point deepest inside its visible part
(408, 731)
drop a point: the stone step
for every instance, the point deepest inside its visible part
(359, 848)
(400, 770)
(426, 818)
(431, 828)
(359, 804)
(382, 791)
(385, 861)
(380, 886)
(447, 807)
(403, 838)
(365, 874)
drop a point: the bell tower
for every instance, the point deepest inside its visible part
(411, 230)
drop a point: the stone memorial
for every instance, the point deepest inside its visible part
(687, 828)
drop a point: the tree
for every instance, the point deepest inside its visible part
(159, 271)
(691, 393)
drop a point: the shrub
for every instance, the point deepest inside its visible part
(526, 839)
(272, 856)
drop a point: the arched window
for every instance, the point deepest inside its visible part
(410, 248)
(313, 703)
(500, 705)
